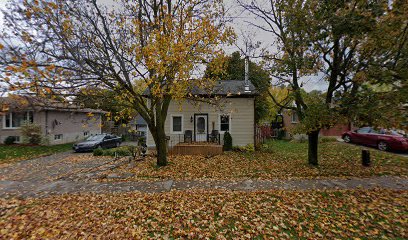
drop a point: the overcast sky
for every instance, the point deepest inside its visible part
(240, 25)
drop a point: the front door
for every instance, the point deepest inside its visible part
(201, 127)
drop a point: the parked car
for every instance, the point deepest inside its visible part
(98, 141)
(371, 137)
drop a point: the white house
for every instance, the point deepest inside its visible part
(235, 113)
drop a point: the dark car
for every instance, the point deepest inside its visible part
(383, 141)
(98, 141)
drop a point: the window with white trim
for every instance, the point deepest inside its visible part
(86, 133)
(177, 124)
(225, 123)
(58, 137)
(294, 117)
(17, 139)
(16, 119)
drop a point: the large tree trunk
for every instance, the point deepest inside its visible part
(313, 138)
(159, 137)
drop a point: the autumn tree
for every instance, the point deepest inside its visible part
(311, 37)
(62, 46)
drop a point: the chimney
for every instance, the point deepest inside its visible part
(247, 74)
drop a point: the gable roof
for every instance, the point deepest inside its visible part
(24, 102)
(227, 88)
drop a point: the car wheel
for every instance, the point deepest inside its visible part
(382, 146)
(347, 139)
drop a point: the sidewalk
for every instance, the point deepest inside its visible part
(43, 189)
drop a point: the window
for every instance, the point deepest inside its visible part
(201, 125)
(177, 124)
(16, 119)
(364, 130)
(16, 139)
(225, 123)
(86, 134)
(58, 137)
(294, 117)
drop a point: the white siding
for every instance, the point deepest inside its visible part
(242, 122)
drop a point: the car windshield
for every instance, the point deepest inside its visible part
(95, 138)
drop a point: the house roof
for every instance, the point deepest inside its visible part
(228, 88)
(24, 102)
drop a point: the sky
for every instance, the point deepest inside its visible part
(242, 27)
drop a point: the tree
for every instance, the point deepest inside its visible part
(107, 100)
(234, 69)
(62, 46)
(313, 37)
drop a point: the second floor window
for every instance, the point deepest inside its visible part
(17, 119)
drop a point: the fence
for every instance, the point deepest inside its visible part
(264, 132)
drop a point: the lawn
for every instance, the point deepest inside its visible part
(14, 153)
(278, 160)
(351, 214)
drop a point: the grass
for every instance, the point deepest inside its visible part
(14, 153)
(278, 160)
(198, 214)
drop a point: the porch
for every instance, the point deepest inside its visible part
(196, 148)
(190, 144)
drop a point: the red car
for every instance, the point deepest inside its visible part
(370, 137)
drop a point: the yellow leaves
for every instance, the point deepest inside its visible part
(201, 214)
(1, 46)
(50, 67)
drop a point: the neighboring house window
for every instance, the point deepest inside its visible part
(58, 137)
(16, 119)
(17, 139)
(177, 123)
(225, 123)
(86, 134)
(295, 118)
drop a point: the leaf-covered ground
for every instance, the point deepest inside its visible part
(282, 160)
(14, 153)
(210, 214)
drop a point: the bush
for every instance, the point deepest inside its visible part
(120, 151)
(227, 141)
(31, 133)
(249, 148)
(328, 139)
(98, 152)
(10, 140)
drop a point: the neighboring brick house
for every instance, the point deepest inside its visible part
(60, 122)
(290, 120)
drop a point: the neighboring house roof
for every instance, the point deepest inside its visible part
(23, 102)
(228, 88)
(140, 121)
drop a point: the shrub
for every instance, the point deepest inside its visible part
(328, 139)
(120, 151)
(227, 141)
(249, 148)
(10, 140)
(31, 133)
(98, 152)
